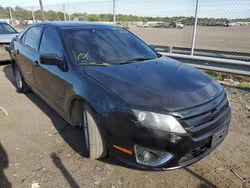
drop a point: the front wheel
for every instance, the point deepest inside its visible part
(94, 142)
(19, 80)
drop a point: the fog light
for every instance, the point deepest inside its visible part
(151, 157)
(146, 156)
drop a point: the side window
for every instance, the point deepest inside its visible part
(51, 43)
(32, 37)
(23, 38)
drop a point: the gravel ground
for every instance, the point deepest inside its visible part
(37, 146)
(4, 55)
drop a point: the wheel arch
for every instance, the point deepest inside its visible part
(75, 115)
(75, 106)
(74, 110)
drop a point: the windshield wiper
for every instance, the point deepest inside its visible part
(136, 59)
(99, 63)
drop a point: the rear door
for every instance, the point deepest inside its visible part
(25, 50)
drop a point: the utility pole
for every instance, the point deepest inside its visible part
(195, 27)
(33, 15)
(41, 7)
(114, 16)
(64, 13)
(68, 10)
(11, 19)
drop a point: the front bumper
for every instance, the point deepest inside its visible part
(190, 148)
(185, 153)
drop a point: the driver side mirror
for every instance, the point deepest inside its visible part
(52, 59)
(153, 47)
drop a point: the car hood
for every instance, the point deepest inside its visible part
(161, 84)
(7, 38)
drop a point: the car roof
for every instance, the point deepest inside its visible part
(77, 24)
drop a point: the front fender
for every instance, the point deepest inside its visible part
(97, 96)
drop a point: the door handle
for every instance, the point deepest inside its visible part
(35, 64)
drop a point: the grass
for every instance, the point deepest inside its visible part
(243, 81)
(245, 84)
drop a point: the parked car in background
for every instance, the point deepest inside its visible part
(179, 25)
(146, 109)
(143, 24)
(158, 25)
(7, 33)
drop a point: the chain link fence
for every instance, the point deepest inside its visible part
(227, 36)
(223, 26)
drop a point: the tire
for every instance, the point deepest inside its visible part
(21, 85)
(94, 142)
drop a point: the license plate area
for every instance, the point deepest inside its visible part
(218, 136)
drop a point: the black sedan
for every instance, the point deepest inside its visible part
(148, 110)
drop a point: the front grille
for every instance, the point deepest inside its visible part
(201, 124)
(193, 154)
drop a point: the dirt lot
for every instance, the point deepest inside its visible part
(4, 55)
(37, 146)
(236, 39)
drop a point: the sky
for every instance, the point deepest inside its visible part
(207, 8)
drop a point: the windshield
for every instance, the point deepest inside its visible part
(6, 29)
(109, 45)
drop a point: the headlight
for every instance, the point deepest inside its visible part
(161, 122)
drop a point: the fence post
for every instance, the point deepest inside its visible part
(195, 27)
(64, 13)
(41, 7)
(114, 14)
(171, 49)
(11, 19)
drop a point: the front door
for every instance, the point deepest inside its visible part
(50, 79)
